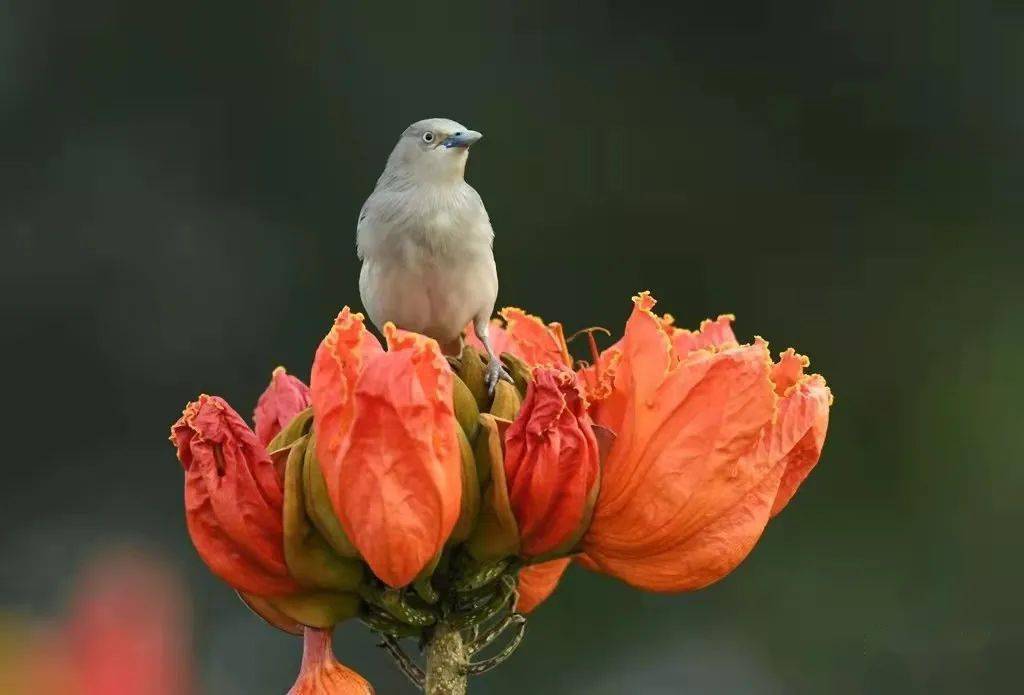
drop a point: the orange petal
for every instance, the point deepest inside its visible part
(395, 481)
(801, 423)
(527, 337)
(717, 333)
(538, 582)
(598, 377)
(339, 360)
(789, 371)
(681, 469)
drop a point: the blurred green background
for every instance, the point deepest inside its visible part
(180, 183)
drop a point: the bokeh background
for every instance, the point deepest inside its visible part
(180, 183)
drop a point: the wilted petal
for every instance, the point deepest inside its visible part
(538, 582)
(551, 464)
(233, 498)
(284, 398)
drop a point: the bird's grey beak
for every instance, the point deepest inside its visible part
(463, 138)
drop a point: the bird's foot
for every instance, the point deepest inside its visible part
(495, 371)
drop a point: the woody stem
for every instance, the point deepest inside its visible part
(447, 662)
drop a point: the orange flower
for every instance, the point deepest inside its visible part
(527, 337)
(321, 673)
(285, 397)
(551, 464)
(233, 498)
(712, 440)
(538, 582)
(386, 441)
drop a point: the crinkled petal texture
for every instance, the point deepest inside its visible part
(538, 582)
(322, 674)
(551, 463)
(387, 444)
(233, 498)
(527, 337)
(705, 441)
(284, 398)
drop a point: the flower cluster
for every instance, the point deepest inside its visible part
(398, 489)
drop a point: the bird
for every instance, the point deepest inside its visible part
(426, 243)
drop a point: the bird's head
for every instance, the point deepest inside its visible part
(433, 150)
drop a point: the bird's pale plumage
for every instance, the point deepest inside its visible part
(425, 240)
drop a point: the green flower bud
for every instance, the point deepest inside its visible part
(311, 561)
(271, 614)
(318, 505)
(521, 373)
(474, 374)
(496, 535)
(470, 491)
(322, 609)
(506, 401)
(466, 410)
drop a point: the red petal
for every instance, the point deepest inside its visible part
(233, 498)
(284, 398)
(551, 463)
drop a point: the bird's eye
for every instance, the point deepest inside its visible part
(428, 136)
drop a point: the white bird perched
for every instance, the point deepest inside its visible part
(426, 242)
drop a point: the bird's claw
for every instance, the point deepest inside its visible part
(495, 371)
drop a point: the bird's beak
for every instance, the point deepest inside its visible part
(463, 138)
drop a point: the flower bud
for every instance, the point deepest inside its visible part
(496, 535)
(311, 560)
(552, 464)
(285, 397)
(233, 498)
(321, 673)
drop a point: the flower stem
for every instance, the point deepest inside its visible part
(316, 648)
(447, 662)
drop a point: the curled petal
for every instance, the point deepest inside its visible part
(527, 337)
(393, 469)
(233, 498)
(284, 398)
(801, 424)
(551, 464)
(597, 378)
(538, 582)
(717, 333)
